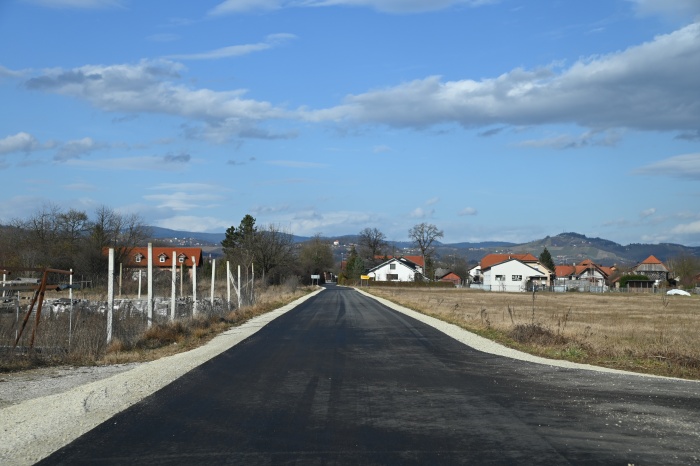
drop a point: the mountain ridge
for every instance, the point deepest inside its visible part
(565, 248)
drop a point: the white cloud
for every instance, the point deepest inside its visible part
(150, 87)
(565, 141)
(681, 166)
(78, 4)
(387, 6)
(194, 223)
(467, 211)
(432, 201)
(646, 87)
(271, 41)
(381, 149)
(687, 229)
(8, 73)
(648, 212)
(673, 8)
(149, 162)
(21, 142)
(182, 201)
(309, 222)
(419, 212)
(76, 149)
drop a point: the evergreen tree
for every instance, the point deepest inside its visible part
(546, 260)
(238, 242)
(355, 266)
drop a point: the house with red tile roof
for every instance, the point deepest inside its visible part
(451, 278)
(163, 257)
(652, 268)
(491, 260)
(587, 272)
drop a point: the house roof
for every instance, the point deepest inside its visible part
(651, 264)
(418, 260)
(538, 273)
(167, 252)
(450, 277)
(490, 260)
(582, 267)
(651, 260)
(401, 260)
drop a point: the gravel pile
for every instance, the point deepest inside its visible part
(41, 412)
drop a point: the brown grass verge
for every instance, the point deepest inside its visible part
(647, 333)
(160, 340)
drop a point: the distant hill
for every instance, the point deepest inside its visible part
(565, 248)
(211, 239)
(569, 248)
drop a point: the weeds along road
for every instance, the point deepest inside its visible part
(342, 379)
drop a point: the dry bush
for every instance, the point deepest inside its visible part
(642, 332)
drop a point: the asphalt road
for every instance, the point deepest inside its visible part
(342, 379)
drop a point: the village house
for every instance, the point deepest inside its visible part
(586, 273)
(654, 269)
(513, 272)
(396, 270)
(163, 257)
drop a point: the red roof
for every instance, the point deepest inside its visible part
(452, 278)
(651, 260)
(490, 260)
(163, 256)
(576, 270)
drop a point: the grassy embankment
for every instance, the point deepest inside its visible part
(648, 333)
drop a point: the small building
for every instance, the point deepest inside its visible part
(163, 257)
(652, 268)
(512, 275)
(395, 270)
(586, 272)
(451, 277)
(541, 277)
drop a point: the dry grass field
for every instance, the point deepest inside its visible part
(650, 333)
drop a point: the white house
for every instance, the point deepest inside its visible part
(475, 274)
(396, 270)
(512, 275)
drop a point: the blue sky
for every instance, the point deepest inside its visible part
(492, 119)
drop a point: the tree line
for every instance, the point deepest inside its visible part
(70, 239)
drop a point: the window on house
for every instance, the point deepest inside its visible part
(500, 278)
(392, 276)
(162, 258)
(516, 278)
(181, 259)
(392, 266)
(138, 258)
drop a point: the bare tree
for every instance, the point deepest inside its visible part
(372, 242)
(685, 267)
(315, 257)
(274, 250)
(424, 235)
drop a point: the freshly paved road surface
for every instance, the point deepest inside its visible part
(342, 379)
